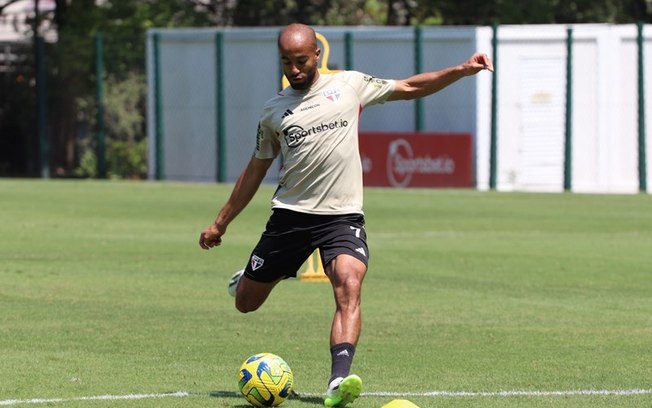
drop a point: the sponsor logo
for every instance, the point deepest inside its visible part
(402, 163)
(305, 108)
(256, 262)
(332, 95)
(367, 163)
(378, 83)
(362, 251)
(343, 353)
(259, 137)
(287, 113)
(295, 134)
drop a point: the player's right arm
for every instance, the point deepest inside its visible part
(243, 191)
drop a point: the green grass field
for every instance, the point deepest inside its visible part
(105, 292)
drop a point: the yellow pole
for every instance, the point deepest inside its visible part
(314, 269)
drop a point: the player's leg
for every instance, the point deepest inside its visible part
(346, 274)
(344, 251)
(250, 295)
(278, 255)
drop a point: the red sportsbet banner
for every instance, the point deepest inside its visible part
(416, 159)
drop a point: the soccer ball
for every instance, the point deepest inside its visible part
(265, 380)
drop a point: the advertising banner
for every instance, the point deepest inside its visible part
(416, 159)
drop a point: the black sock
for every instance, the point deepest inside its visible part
(342, 358)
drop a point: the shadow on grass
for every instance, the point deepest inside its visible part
(293, 396)
(306, 398)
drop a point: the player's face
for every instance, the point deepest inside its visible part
(299, 62)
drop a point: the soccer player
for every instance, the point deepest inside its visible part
(318, 203)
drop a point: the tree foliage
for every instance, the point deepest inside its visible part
(483, 12)
(412, 12)
(123, 24)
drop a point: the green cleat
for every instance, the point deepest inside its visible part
(342, 391)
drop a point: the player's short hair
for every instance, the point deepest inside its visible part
(298, 28)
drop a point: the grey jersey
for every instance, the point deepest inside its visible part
(316, 131)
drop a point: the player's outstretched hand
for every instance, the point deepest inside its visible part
(210, 237)
(478, 62)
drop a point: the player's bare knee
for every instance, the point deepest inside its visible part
(244, 308)
(243, 305)
(347, 293)
(351, 286)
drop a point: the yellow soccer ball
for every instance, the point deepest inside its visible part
(265, 380)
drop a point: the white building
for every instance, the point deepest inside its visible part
(16, 19)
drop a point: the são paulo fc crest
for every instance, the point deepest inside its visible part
(332, 95)
(256, 262)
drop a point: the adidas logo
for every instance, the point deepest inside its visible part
(343, 353)
(361, 250)
(287, 113)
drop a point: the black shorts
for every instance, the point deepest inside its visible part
(290, 237)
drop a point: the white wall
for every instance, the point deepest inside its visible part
(531, 109)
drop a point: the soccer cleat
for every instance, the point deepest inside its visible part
(342, 391)
(235, 281)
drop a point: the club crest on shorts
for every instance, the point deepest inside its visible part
(256, 262)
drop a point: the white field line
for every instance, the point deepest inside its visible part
(95, 398)
(511, 393)
(181, 394)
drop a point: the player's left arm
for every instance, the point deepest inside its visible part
(428, 83)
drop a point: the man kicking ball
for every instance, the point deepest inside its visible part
(318, 204)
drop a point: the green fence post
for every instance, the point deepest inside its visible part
(493, 144)
(418, 68)
(100, 138)
(642, 160)
(42, 108)
(219, 105)
(158, 110)
(348, 50)
(568, 134)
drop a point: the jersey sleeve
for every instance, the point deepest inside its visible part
(370, 90)
(267, 146)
